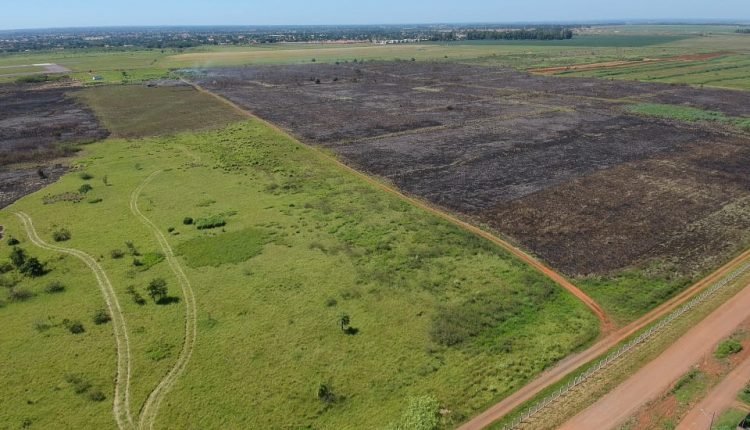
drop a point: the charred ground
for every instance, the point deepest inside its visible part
(558, 164)
(38, 125)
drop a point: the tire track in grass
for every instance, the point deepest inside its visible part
(121, 402)
(151, 406)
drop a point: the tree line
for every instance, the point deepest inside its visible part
(533, 34)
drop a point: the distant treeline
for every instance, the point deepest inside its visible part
(542, 33)
(743, 30)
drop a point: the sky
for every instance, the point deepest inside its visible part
(16, 14)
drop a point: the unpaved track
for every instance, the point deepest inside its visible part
(151, 406)
(574, 362)
(606, 324)
(657, 376)
(718, 400)
(121, 403)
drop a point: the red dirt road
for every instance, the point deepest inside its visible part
(718, 400)
(656, 377)
(570, 364)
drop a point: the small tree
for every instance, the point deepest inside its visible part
(157, 289)
(18, 257)
(344, 320)
(61, 235)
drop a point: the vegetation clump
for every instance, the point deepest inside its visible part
(54, 287)
(157, 290)
(101, 316)
(422, 413)
(61, 235)
(727, 348)
(210, 222)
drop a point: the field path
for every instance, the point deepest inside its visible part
(656, 377)
(121, 403)
(151, 406)
(718, 400)
(606, 323)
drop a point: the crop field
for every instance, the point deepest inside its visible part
(289, 244)
(537, 159)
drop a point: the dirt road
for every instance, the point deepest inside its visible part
(121, 403)
(570, 364)
(718, 400)
(656, 377)
(606, 323)
(151, 406)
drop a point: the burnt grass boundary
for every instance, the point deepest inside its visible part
(38, 125)
(556, 164)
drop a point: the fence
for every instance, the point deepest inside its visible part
(624, 349)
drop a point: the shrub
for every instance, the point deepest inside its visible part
(41, 326)
(18, 257)
(132, 249)
(727, 348)
(19, 295)
(85, 176)
(116, 254)
(85, 188)
(79, 383)
(136, 296)
(331, 302)
(96, 200)
(33, 268)
(5, 267)
(210, 222)
(325, 393)
(745, 394)
(101, 316)
(187, 220)
(170, 229)
(12, 241)
(75, 327)
(97, 396)
(54, 287)
(61, 235)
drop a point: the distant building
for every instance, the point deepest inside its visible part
(97, 78)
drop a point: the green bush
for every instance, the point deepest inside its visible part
(136, 296)
(745, 394)
(85, 188)
(6, 267)
(97, 396)
(101, 316)
(18, 257)
(187, 220)
(727, 348)
(61, 235)
(54, 287)
(33, 268)
(85, 176)
(19, 295)
(75, 327)
(116, 254)
(12, 241)
(210, 222)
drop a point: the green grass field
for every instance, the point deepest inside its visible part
(434, 310)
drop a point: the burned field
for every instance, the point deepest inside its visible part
(38, 125)
(556, 164)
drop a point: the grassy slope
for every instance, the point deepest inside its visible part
(265, 322)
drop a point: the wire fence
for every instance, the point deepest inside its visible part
(624, 349)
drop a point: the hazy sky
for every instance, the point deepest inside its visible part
(16, 14)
